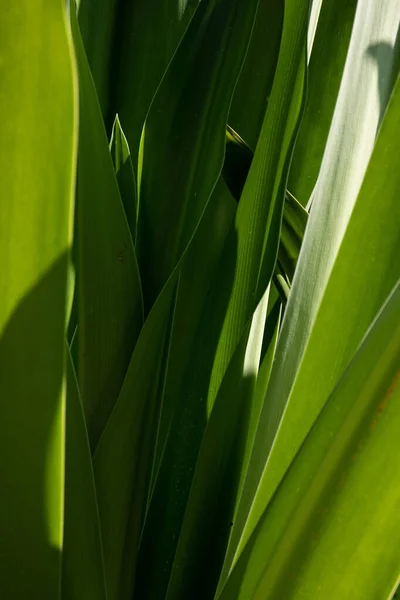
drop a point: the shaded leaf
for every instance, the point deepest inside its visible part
(146, 39)
(83, 569)
(183, 139)
(110, 313)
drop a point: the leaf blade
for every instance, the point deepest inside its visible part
(37, 154)
(352, 443)
(110, 309)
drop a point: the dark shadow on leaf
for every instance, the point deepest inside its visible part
(384, 55)
(31, 375)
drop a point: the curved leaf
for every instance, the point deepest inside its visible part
(321, 515)
(183, 139)
(362, 275)
(110, 312)
(145, 42)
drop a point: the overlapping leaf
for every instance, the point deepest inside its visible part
(147, 37)
(110, 313)
(259, 212)
(185, 128)
(345, 312)
(198, 116)
(321, 516)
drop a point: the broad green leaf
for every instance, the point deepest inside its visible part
(253, 89)
(332, 529)
(37, 157)
(183, 138)
(326, 66)
(362, 275)
(122, 160)
(260, 208)
(110, 313)
(83, 568)
(146, 39)
(123, 458)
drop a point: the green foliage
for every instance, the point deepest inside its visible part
(199, 378)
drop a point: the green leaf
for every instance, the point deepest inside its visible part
(237, 163)
(340, 311)
(217, 23)
(37, 154)
(123, 458)
(253, 89)
(192, 102)
(292, 233)
(122, 160)
(146, 40)
(97, 23)
(220, 467)
(196, 279)
(205, 528)
(195, 332)
(260, 208)
(143, 411)
(110, 313)
(270, 337)
(325, 72)
(83, 569)
(321, 514)
(166, 510)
